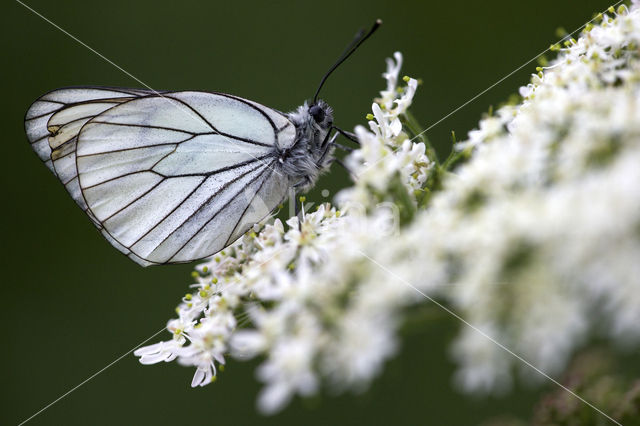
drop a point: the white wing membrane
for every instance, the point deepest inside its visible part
(286, 129)
(53, 122)
(204, 153)
(166, 178)
(260, 203)
(96, 169)
(111, 196)
(209, 229)
(233, 117)
(38, 115)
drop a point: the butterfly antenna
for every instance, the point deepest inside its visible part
(352, 47)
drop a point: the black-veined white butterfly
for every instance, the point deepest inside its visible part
(171, 177)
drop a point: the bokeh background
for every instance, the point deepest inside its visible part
(71, 304)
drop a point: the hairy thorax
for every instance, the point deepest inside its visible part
(311, 153)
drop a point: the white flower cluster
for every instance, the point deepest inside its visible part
(386, 152)
(541, 229)
(535, 240)
(305, 296)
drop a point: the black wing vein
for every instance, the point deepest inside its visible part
(204, 205)
(142, 151)
(244, 212)
(221, 208)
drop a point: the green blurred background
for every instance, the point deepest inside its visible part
(72, 304)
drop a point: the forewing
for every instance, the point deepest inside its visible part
(286, 131)
(178, 177)
(53, 122)
(91, 100)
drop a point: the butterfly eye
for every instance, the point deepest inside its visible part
(317, 113)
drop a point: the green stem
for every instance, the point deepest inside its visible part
(453, 158)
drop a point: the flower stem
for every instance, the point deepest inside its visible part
(453, 158)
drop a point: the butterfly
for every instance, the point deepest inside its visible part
(171, 177)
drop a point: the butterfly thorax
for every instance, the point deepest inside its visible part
(311, 153)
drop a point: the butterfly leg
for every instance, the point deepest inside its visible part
(326, 144)
(351, 136)
(297, 211)
(329, 139)
(343, 147)
(332, 142)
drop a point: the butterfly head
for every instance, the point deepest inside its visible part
(321, 114)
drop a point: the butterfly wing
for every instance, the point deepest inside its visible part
(53, 121)
(88, 102)
(176, 177)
